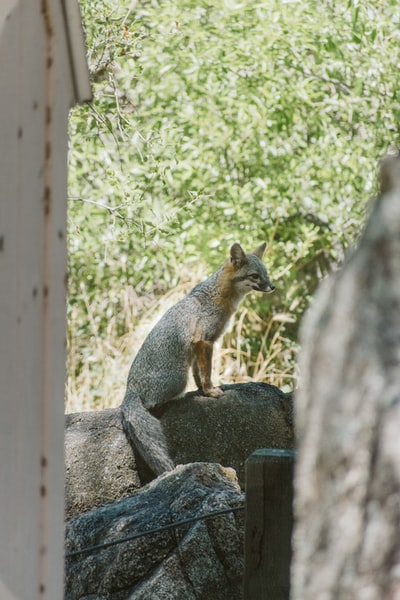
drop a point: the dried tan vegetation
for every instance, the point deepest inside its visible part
(98, 380)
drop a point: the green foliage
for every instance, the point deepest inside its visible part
(215, 123)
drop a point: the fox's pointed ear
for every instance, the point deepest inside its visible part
(238, 256)
(259, 251)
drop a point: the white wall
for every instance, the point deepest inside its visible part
(36, 92)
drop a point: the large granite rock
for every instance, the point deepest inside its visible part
(100, 464)
(348, 415)
(196, 561)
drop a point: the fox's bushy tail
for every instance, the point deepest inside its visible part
(145, 433)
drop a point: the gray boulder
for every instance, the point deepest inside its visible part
(100, 464)
(347, 535)
(195, 561)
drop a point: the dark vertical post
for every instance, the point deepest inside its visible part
(268, 524)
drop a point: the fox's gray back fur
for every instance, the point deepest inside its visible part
(160, 370)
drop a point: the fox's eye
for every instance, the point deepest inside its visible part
(254, 276)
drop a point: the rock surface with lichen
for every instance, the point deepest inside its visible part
(194, 561)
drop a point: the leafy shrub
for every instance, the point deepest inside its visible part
(215, 123)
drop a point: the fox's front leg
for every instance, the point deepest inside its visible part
(202, 368)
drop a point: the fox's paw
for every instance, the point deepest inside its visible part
(214, 392)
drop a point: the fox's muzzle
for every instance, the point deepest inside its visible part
(267, 289)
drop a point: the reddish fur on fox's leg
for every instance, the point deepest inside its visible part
(203, 353)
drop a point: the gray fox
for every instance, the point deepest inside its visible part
(183, 339)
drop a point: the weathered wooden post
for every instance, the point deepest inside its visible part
(268, 524)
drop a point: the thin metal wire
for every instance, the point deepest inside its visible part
(210, 515)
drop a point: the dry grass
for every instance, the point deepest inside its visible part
(98, 365)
